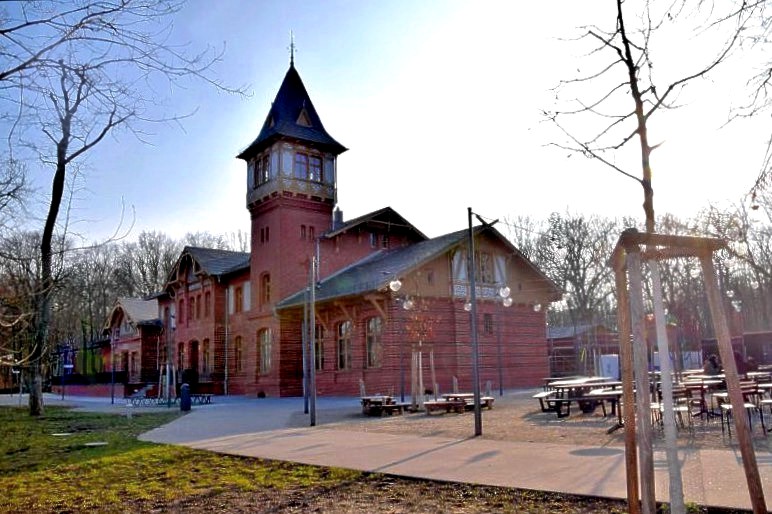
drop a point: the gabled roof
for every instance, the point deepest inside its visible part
(382, 218)
(571, 331)
(136, 310)
(217, 262)
(292, 115)
(209, 261)
(375, 271)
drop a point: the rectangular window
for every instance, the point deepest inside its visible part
(198, 307)
(385, 241)
(374, 341)
(311, 233)
(315, 169)
(301, 165)
(238, 299)
(303, 232)
(373, 240)
(180, 357)
(207, 301)
(265, 170)
(484, 268)
(264, 342)
(134, 364)
(488, 323)
(344, 345)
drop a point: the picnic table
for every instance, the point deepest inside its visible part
(380, 404)
(560, 394)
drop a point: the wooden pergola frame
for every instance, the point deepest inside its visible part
(632, 250)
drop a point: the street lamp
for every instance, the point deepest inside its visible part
(473, 322)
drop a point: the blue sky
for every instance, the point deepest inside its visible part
(438, 103)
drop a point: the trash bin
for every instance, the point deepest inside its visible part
(185, 397)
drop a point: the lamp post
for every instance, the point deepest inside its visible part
(473, 329)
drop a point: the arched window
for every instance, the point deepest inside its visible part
(373, 338)
(264, 350)
(344, 345)
(181, 312)
(206, 363)
(192, 308)
(238, 354)
(207, 301)
(265, 289)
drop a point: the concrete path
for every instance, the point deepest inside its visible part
(278, 429)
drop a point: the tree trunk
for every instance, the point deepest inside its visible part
(46, 279)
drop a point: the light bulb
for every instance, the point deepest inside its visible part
(507, 302)
(504, 291)
(468, 306)
(395, 285)
(536, 307)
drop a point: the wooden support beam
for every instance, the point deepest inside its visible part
(628, 387)
(742, 427)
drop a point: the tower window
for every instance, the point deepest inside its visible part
(301, 165)
(315, 169)
(308, 167)
(303, 232)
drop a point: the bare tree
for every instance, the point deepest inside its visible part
(72, 75)
(144, 265)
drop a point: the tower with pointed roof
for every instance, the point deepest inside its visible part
(291, 194)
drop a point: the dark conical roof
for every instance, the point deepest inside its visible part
(293, 115)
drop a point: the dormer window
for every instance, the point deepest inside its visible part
(304, 119)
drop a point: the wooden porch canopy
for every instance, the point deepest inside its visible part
(632, 249)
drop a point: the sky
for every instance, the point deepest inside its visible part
(439, 105)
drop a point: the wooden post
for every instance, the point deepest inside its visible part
(733, 385)
(643, 398)
(628, 394)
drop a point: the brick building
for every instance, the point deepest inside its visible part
(235, 320)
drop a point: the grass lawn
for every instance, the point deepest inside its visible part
(48, 466)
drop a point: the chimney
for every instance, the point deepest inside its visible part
(337, 218)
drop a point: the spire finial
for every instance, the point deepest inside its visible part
(292, 49)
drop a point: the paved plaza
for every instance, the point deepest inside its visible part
(278, 429)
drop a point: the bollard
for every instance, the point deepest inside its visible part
(185, 397)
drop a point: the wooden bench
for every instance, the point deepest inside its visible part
(545, 396)
(556, 405)
(446, 405)
(391, 408)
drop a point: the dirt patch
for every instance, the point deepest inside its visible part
(517, 417)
